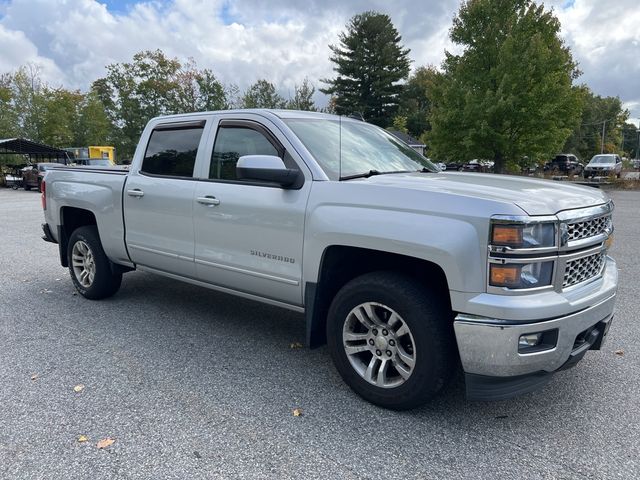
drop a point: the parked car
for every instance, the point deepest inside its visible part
(566, 163)
(476, 165)
(604, 165)
(32, 175)
(635, 163)
(453, 165)
(406, 272)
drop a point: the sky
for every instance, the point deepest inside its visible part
(285, 41)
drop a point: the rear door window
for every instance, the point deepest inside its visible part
(172, 152)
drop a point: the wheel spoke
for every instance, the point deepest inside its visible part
(402, 370)
(362, 318)
(371, 368)
(352, 350)
(403, 330)
(382, 373)
(368, 308)
(406, 358)
(354, 337)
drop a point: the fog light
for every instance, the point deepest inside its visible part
(530, 340)
(538, 342)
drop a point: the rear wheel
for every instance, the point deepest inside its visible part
(27, 187)
(391, 340)
(89, 266)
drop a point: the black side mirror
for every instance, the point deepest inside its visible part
(266, 168)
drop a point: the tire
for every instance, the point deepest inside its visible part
(89, 266)
(419, 327)
(27, 187)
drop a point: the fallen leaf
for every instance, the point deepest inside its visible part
(34, 376)
(297, 412)
(78, 388)
(619, 352)
(295, 345)
(57, 279)
(105, 442)
(45, 290)
(74, 294)
(82, 438)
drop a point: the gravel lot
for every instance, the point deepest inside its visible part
(191, 383)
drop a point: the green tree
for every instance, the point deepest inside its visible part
(150, 85)
(586, 138)
(8, 116)
(509, 94)
(370, 62)
(262, 94)
(400, 123)
(93, 126)
(415, 105)
(303, 97)
(630, 140)
(59, 117)
(28, 102)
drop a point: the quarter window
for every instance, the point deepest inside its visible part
(172, 152)
(232, 142)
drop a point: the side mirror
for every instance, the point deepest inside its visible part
(266, 168)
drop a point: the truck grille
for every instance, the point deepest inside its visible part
(583, 269)
(590, 228)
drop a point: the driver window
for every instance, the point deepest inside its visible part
(232, 142)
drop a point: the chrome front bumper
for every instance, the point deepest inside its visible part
(489, 347)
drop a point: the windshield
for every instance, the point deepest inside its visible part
(603, 159)
(346, 147)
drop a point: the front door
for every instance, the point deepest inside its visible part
(248, 235)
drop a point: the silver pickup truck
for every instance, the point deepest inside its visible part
(406, 272)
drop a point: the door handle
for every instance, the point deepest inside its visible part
(136, 192)
(208, 200)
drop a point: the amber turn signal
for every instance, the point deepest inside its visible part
(509, 235)
(505, 275)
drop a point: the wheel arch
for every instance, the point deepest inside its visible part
(72, 218)
(339, 264)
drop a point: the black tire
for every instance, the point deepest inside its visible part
(105, 282)
(27, 187)
(429, 320)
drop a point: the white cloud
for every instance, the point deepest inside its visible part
(284, 40)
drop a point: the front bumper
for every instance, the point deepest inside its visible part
(489, 351)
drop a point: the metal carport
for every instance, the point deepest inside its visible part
(37, 152)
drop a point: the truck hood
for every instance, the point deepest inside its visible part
(534, 196)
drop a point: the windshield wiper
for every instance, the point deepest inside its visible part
(372, 173)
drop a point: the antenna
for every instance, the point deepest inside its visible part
(340, 147)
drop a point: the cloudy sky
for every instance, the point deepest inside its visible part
(284, 40)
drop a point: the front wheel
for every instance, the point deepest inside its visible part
(89, 266)
(391, 339)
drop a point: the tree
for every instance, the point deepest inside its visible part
(8, 116)
(93, 126)
(586, 138)
(370, 62)
(415, 105)
(60, 116)
(262, 94)
(303, 97)
(151, 85)
(509, 94)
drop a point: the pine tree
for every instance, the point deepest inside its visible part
(370, 62)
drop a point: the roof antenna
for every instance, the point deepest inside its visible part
(340, 147)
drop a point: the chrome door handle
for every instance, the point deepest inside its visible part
(208, 200)
(136, 192)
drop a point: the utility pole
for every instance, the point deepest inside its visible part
(602, 144)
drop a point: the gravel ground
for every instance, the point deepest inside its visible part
(192, 383)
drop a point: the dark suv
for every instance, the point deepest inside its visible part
(32, 176)
(565, 163)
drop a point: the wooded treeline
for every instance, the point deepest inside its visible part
(513, 95)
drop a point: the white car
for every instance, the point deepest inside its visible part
(604, 165)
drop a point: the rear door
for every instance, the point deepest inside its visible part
(250, 237)
(158, 199)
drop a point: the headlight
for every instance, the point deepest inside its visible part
(521, 275)
(534, 235)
